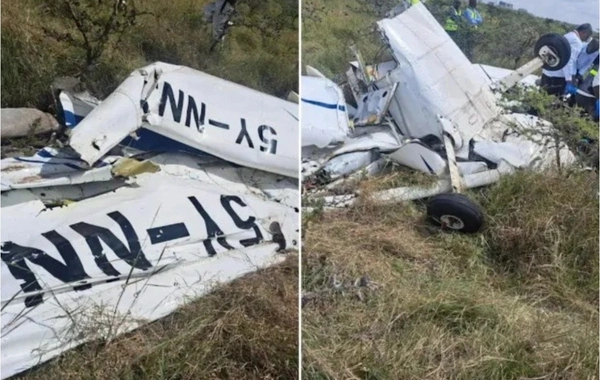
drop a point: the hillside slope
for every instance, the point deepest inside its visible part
(386, 296)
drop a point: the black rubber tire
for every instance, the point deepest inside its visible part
(458, 206)
(559, 45)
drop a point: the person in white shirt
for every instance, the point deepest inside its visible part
(561, 82)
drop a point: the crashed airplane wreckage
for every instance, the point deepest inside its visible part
(176, 182)
(428, 109)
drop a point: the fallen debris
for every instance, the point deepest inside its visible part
(430, 110)
(160, 194)
(127, 167)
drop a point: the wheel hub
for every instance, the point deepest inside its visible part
(452, 222)
(549, 56)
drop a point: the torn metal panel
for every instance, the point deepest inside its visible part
(57, 195)
(374, 168)
(380, 70)
(523, 141)
(378, 139)
(473, 167)
(374, 72)
(267, 186)
(116, 117)
(128, 257)
(75, 109)
(235, 123)
(373, 106)
(324, 116)
(356, 82)
(410, 193)
(445, 120)
(417, 156)
(434, 77)
(349, 163)
(381, 139)
(76, 106)
(50, 167)
(313, 159)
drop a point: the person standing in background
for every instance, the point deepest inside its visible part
(472, 15)
(561, 82)
(219, 13)
(473, 19)
(453, 19)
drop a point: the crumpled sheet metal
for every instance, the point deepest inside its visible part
(198, 110)
(524, 142)
(94, 245)
(133, 255)
(50, 167)
(435, 78)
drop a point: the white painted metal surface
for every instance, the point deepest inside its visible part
(86, 255)
(222, 118)
(440, 94)
(49, 167)
(435, 78)
(416, 156)
(113, 262)
(324, 117)
(373, 106)
(76, 106)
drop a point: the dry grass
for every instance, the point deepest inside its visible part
(245, 330)
(248, 329)
(387, 297)
(396, 176)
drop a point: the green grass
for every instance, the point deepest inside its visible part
(518, 300)
(329, 27)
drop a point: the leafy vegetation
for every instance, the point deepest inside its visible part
(43, 40)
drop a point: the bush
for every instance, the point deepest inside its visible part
(42, 41)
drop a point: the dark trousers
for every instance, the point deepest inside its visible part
(464, 40)
(553, 86)
(469, 44)
(587, 103)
